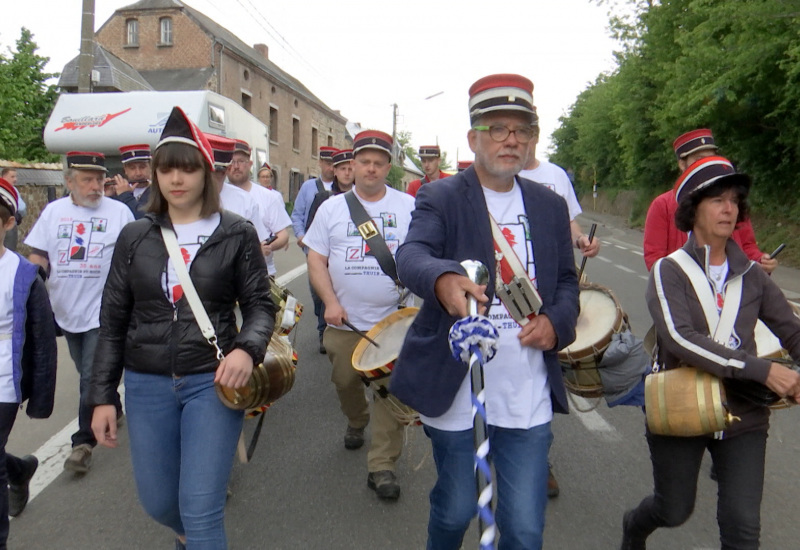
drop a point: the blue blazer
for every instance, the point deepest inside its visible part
(451, 224)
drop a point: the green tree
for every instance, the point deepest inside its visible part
(26, 102)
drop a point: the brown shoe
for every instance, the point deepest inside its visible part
(80, 459)
(552, 483)
(385, 485)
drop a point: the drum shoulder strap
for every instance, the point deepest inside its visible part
(721, 324)
(371, 234)
(320, 185)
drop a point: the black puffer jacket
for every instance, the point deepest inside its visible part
(140, 329)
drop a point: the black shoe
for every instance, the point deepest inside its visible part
(322, 349)
(353, 438)
(385, 485)
(18, 493)
(552, 483)
(628, 541)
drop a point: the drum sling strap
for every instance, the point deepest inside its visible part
(512, 284)
(366, 227)
(721, 324)
(320, 186)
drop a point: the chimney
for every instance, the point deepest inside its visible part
(262, 49)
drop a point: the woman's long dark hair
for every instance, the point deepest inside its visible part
(184, 157)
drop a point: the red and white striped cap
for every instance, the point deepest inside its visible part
(501, 92)
(9, 196)
(706, 172)
(180, 129)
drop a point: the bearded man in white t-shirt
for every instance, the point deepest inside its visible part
(74, 238)
(523, 382)
(556, 179)
(270, 203)
(348, 278)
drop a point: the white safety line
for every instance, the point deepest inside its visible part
(625, 269)
(621, 247)
(603, 259)
(644, 277)
(638, 252)
(55, 451)
(593, 421)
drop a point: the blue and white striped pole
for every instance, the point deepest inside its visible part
(473, 340)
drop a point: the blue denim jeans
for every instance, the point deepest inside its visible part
(81, 349)
(183, 441)
(520, 461)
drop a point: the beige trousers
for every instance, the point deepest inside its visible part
(387, 433)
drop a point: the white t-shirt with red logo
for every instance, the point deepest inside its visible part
(273, 215)
(515, 380)
(79, 242)
(365, 292)
(191, 237)
(556, 179)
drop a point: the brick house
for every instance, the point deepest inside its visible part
(175, 47)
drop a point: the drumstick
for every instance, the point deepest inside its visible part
(777, 251)
(583, 262)
(360, 333)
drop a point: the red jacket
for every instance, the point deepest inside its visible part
(414, 186)
(661, 237)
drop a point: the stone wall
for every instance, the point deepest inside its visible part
(37, 187)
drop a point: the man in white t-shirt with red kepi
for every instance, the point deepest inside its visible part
(523, 382)
(348, 278)
(74, 238)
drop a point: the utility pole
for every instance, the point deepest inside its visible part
(86, 59)
(394, 133)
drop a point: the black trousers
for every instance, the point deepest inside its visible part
(10, 466)
(739, 463)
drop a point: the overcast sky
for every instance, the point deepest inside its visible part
(361, 56)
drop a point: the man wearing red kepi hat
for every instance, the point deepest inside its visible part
(464, 164)
(300, 211)
(134, 189)
(453, 221)
(352, 242)
(661, 237)
(270, 203)
(430, 157)
(74, 239)
(556, 179)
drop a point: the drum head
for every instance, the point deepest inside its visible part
(767, 344)
(389, 333)
(599, 315)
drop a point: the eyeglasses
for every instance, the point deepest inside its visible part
(501, 133)
(239, 162)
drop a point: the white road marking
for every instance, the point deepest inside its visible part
(55, 451)
(644, 277)
(621, 247)
(638, 252)
(592, 419)
(603, 259)
(625, 269)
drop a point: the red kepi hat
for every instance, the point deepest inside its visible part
(9, 196)
(691, 142)
(501, 92)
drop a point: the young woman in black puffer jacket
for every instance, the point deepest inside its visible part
(182, 437)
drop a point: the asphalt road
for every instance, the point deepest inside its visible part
(303, 490)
